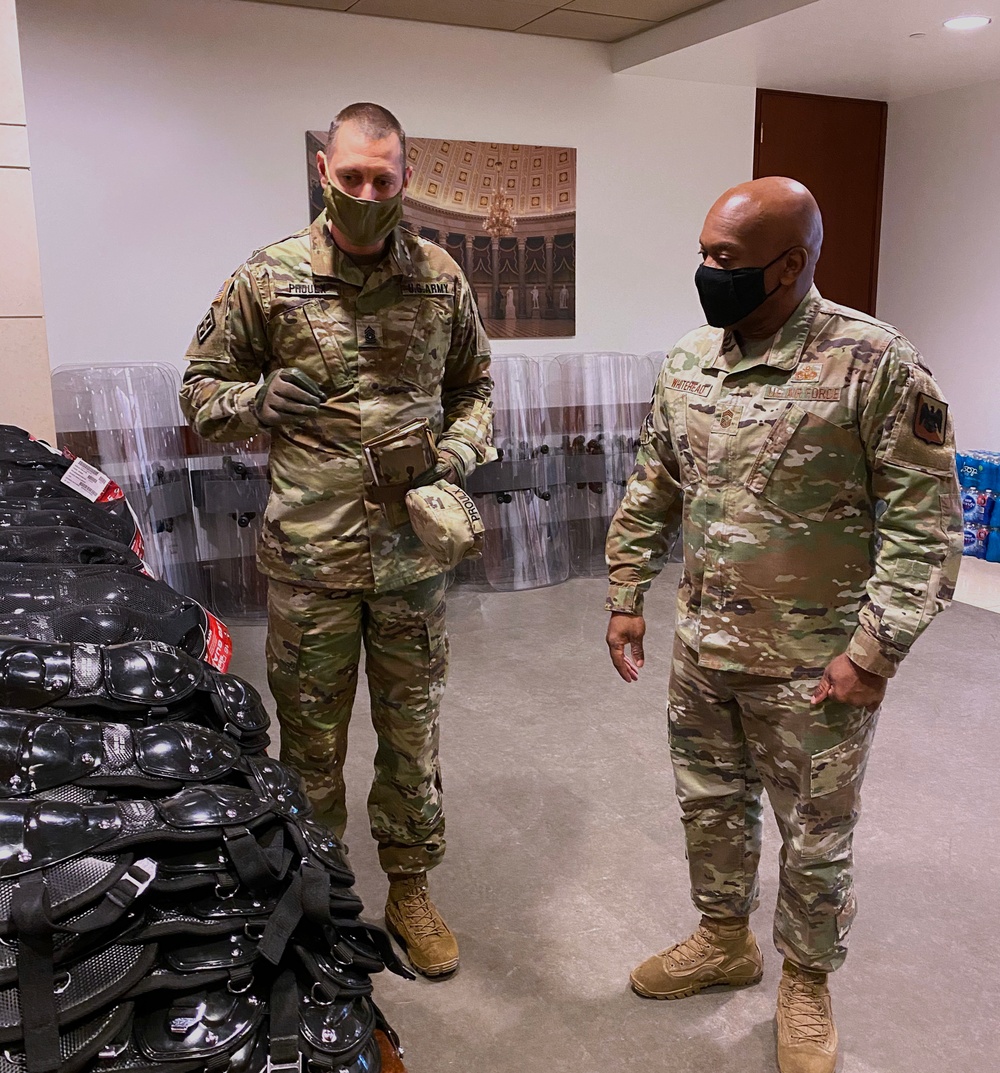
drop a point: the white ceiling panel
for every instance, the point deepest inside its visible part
(851, 48)
(585, 20)
(323, 5)
(650, 10)
(489, 14)
(583, 26)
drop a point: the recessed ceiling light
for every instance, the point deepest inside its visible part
(968, 22)
(918, 35)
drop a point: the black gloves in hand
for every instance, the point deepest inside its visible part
(446, 468)
(287, 397)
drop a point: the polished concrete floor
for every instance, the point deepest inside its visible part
(565, 861)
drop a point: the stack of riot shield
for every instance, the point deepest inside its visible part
(167, 903)
(200, 504)
(229, 490)
(526, 540)
(126, 420)
(567, 429)
(566, 426)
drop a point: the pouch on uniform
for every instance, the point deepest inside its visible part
(394, 459)
(447, 522)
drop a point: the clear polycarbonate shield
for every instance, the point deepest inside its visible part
(126, 421)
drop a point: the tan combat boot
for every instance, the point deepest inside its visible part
(720, 952)
(807, 1036)
(412, 917)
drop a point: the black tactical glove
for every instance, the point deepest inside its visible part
(287, 397)
(446, 468)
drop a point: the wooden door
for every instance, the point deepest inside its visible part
(836, 147)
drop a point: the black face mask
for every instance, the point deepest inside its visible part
(730, 294)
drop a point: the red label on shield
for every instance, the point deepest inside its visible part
(219, 643)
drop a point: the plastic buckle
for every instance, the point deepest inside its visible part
(147, 868)
(284, 1067)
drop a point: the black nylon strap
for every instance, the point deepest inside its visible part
(254, 864)
(283, 921)
(315, 894)
(379, 940)
(36, 974)
(116, 901)
(283, 1052)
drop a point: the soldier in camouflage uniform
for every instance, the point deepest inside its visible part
(356, 327)
(808, 456)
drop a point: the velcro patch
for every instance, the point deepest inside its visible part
(411, 287)
(369, 333)
(206, 327)
(807, 372)
(803, 394)
(690, 387)
(930, 419)
(306, 290)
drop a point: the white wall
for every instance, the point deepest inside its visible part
(167, 142)
(24, 358)
(939, 279)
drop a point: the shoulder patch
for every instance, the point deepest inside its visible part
(206, 326)
(930, 419)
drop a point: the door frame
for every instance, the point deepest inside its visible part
(757, 124)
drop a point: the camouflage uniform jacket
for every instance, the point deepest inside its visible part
(405, 344)
(777, 463)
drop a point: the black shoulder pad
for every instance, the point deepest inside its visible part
(33, 673)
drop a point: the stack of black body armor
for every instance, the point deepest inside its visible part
(166, 901)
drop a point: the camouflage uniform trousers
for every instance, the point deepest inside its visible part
(733, 735)
(314, 644)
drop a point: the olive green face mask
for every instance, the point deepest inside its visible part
(362, 223)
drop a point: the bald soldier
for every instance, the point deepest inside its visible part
(341, 333)
(808, 455)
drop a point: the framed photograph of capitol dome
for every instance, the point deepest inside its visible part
(507, 214)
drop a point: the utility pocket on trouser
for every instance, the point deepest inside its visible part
(816, 900)
(842, 764)
(313, 647)
(407, 650)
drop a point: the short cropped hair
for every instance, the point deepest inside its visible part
(374, 121)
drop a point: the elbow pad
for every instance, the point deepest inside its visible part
(140, 679)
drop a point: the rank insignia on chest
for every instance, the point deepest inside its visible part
(412, 287)
(807, 372)
(206, 327)
(369, 333)
(930, 419)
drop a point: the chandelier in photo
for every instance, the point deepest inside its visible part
(499, 222)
